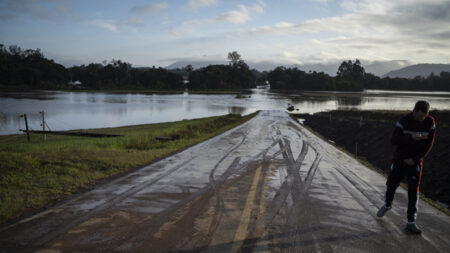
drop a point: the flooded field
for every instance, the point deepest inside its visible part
(80, 110)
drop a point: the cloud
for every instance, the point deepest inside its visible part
(259, 6)
(134, 19)
(375, 29)
(106, 24)
(40, 9)
(7, 16)
(374, 16)
(149, 8)
(320, 1)
(241, 15)
(197, 4)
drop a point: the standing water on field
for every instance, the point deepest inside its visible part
(81, 110)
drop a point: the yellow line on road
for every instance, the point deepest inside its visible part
(241, 232)
(262, 199)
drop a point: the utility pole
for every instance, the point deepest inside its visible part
(43, 123)
(26, 125)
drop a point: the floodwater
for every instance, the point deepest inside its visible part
(81, 110)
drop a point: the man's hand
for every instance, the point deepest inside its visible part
(409, 161)
(419, 137)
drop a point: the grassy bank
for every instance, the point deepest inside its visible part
(40, 173)
(371, 139)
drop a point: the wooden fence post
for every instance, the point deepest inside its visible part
(43, 124)
(26, 125)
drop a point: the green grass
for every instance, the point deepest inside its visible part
(39, 173)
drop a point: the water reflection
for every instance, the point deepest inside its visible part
(236, 110)
(77, 110)
(349, 101)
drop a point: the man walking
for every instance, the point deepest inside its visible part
(413, 136)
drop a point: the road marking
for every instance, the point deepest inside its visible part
(241, 232)
(262, 199)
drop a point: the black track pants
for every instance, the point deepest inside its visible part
(397, 172)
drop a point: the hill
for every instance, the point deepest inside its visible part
(423, 70)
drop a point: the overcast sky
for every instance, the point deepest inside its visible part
(147, 33)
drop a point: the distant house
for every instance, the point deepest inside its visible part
(75, 83)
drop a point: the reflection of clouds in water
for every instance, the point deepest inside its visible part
(187, 105)
(8, 119)
(91, 99)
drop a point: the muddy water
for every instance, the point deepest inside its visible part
(80, 110)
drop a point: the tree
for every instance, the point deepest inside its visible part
(358, 71)
(351, 71)
(234, 58)
(189, 68)
(25, 69)
(222, 77)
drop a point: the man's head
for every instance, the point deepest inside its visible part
(421, 110)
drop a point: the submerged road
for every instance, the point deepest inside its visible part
(268, 185)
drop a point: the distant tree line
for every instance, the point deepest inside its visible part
(29, 69)
(351, 76)
(348, 78)
(433, 82)
(184, 72)
(282, 78)
(120, 75)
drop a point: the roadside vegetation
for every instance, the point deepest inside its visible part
(40, 173)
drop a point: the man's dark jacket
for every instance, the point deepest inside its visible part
(406, 147)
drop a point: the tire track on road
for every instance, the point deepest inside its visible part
(289, 186)
(196, 199)
(108, 203)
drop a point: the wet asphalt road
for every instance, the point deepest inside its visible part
(268, 185)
